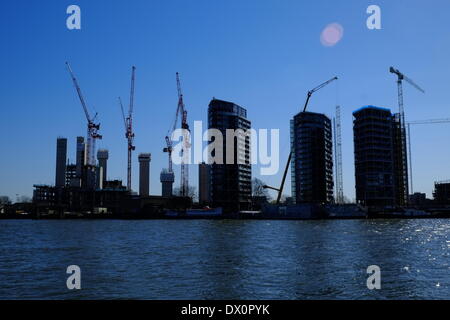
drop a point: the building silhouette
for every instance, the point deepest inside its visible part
(204, 183)
(230, 180)
(312, 158)
(89, 177)
(102, 173)
(80, 161)
(167, 178)
(441, 192)
(379, 172)
(61, 158)
(71, 174)
(144, 174)
(418, 199)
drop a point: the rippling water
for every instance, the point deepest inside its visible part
(228, 259)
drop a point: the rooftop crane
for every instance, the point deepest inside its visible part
(128, 122)
(310, 92)
(308, 96)
(92, 127)
(400, 78)
(181, 110)
(431, 121)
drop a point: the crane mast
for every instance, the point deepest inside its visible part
(92, 127)
(128, 122)
(181, 111)
(168, 149)
(404, 167)
(184, 182)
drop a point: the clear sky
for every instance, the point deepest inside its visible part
(263, 55)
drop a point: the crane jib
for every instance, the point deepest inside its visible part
(316, 89)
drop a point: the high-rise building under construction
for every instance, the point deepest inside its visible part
(379, 162)
(312, 158)
(230, 177)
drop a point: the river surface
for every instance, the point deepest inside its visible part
(224, 259)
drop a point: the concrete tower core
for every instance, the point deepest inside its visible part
(144, 174)
(102, 157)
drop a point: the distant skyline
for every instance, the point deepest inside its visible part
(262, 55)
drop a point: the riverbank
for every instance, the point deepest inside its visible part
(235, 216)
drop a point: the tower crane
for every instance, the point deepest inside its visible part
(128, 122)
(430, 121)
(181, 111)
(92, 127)
(308, 96)
(400, 78)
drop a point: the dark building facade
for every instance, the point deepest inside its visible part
(379, 167)
(102, 172)
(418, 199)
(144, 174)
(204, 183)
(80, 161)
(71, 174)
(230, 184)
(61, 158)
(312, 158)
(441, 192)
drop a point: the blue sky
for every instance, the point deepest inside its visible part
(263, 55)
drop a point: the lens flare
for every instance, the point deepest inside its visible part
(332, 34)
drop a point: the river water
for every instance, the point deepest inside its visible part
(225, 259)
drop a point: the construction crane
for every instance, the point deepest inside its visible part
(92, 127)
(338, 156)
(310, 92)
(431, 121)
(168, 149)
(181, 111)
(128, 122)
(400, 78)
(184, 187)
(283, 180)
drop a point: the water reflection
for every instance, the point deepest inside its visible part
(229, 259)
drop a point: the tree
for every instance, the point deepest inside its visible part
(258, 189)
(4, 200)
(24, 199)
(347, 200)
(192, 192)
